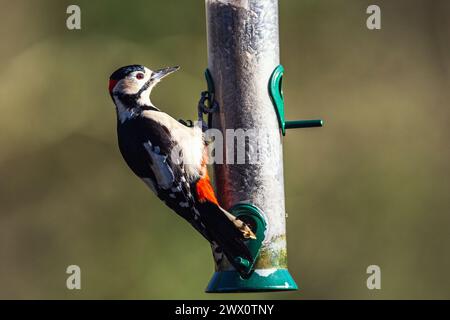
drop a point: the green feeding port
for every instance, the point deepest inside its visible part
(276, 94)
(272, 279)
(253, 217)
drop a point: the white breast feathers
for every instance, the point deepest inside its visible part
(189, 141)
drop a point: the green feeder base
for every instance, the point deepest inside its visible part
(261, 280)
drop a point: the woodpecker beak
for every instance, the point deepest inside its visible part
(161, 73)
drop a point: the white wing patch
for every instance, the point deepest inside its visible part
(162, 171)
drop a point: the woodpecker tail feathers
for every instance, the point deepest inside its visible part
(227, 234)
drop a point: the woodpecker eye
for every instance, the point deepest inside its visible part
(140, 76)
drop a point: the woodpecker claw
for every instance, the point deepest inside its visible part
(245, 229)
(248, 233)
(187, 123)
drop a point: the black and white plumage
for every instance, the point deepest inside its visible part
(171, 159)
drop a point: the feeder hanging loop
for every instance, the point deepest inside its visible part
(207, 104)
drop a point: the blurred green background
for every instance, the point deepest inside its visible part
(372, 187)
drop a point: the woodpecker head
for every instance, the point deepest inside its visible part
(131, 86)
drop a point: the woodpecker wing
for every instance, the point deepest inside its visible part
(146, 146)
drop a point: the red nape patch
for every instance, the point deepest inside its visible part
(112, 84)
(205, 191)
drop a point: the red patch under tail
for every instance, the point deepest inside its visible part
(205, 191)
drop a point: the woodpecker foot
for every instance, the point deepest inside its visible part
(187, 123)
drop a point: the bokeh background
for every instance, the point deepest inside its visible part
(371, 187)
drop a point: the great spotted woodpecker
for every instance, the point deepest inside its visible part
(148, 138)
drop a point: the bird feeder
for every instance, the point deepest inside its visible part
(245, 79)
